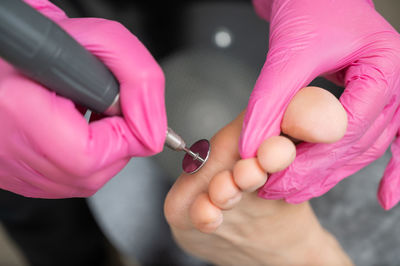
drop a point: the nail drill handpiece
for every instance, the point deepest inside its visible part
(43, 51)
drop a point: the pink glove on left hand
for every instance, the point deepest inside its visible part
(348, 42)
(47, 149)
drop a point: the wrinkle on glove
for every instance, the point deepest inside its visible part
(47, 149)
(349, 43)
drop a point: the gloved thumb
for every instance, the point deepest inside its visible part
(285, 72)
(389, 187)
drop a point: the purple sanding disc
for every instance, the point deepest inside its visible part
(201, 147)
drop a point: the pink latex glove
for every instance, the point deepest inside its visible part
(348, 42)
(47, 149)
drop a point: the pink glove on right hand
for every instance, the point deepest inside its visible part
(47, 149)
(348, 42)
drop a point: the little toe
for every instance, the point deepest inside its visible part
(205, 216)
(248, 175)
(276, 153)
(223, 191)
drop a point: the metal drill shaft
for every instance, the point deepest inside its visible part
(175, 142)
(195, 156)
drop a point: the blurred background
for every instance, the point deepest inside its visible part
(207, 49)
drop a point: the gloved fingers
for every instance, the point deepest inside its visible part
(140, 77)
(315, 169)
(43, 179)
(64, 185)
(89, 185)
(47, 8)
(94, 147)
(389, 187)
(36, 178)
(62, 149)
(283, 75)
(323, 185)
(291, 64)
(43, 124)
(319, 182)
(365, 96)
(366, 93)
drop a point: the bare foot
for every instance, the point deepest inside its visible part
(216, 214)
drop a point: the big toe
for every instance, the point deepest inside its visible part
(315, 115)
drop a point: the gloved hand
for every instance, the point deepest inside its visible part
(47, 149)
(348, 42)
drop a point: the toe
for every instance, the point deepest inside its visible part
(248, 175)
(315, 115)
(276, 153)
(223, 191)
(205, 216)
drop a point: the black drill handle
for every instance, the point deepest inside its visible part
(43, 51)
